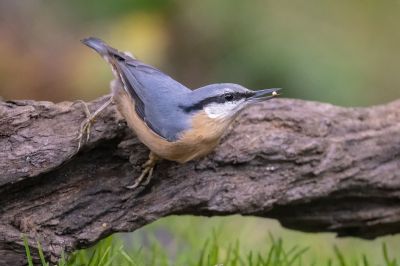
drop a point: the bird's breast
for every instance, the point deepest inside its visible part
(203, 136)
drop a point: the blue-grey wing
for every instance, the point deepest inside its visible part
(156, 96)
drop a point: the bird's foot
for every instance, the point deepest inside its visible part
(147, 172)
(85, 126)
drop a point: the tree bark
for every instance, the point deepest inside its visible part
(313, 166)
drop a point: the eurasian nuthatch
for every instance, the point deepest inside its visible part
(174, 122)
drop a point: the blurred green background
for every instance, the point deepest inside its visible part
(341, 52)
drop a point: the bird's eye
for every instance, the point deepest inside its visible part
(228, 96)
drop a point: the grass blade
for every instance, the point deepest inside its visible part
(127, 257)
(250, 259)
(203, 253)
(27, 251)
(297, 256)
(386, 256)
(339, 256)
(365, 260)
(41, 255)
(105, 254)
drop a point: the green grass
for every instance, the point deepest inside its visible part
(108, 253)
(149, 250)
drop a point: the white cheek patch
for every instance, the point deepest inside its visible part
(221, 110)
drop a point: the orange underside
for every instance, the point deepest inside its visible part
(200, 140)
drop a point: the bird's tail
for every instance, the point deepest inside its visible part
(102, 48)
(117, 60)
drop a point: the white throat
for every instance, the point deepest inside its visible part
(222, 110)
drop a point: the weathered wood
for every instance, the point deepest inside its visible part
(312, 166)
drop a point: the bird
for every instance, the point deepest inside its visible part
(174, 122)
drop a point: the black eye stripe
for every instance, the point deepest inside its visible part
(235, 96)
(216, 99)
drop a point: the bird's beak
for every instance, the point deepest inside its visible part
(263, 95)
(256, 97)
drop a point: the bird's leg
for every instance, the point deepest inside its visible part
(147, 171)
(90, 119)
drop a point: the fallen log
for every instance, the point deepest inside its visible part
(313, 166)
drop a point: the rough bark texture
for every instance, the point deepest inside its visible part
(313, 166)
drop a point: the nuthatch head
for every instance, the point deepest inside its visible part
(224, 101)
(174, 122)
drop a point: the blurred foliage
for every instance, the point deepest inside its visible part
(342, 52)
(178, 244)
(186, 235)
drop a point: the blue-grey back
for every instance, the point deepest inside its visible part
(157, 98)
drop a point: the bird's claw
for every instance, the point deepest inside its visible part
(147, 172)
(84, 130)
(144, 178)
(85, 126)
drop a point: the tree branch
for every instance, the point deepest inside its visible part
(313, 166)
